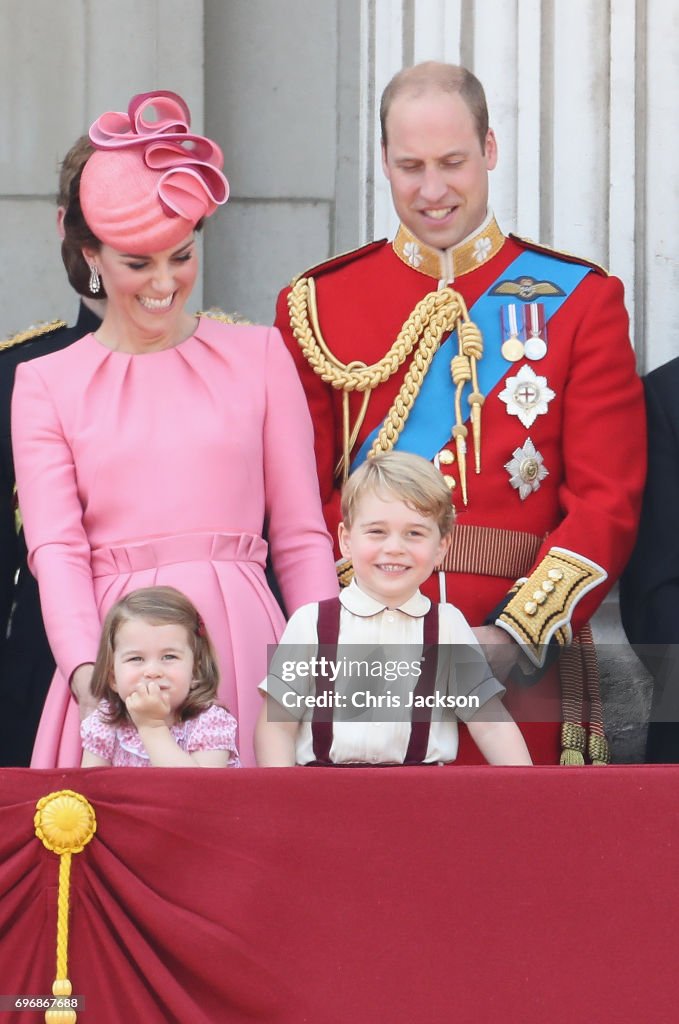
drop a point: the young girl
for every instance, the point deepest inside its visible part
(156, 678)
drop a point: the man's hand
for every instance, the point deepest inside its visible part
(501, 652)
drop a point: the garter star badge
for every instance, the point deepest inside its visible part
(526, 469)
(526, 395)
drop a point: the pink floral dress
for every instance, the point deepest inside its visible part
(213, 729)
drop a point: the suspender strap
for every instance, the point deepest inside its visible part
(328, 635)
(426, 684)
(321, 721)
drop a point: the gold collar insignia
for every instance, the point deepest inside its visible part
(449, 264)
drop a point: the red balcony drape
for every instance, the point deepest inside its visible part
(374, 896)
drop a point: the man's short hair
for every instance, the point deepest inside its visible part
(405, 477)
(432, 76)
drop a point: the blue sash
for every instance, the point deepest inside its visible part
(432, 417)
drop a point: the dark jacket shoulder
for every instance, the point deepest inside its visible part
(32, 344)
(664, 379)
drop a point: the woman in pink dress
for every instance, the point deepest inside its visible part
(159, 449)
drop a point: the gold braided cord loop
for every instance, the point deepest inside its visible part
(435, 316)
(400, 409)
(65, 823)
(471, 340)
(357, 376)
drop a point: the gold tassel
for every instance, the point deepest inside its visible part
(65, 823)
(460, 435)
(598, 749)
(573, 742)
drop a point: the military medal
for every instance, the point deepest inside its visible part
(536, 331)
(526, 469)
(512, 347)
(527, 395)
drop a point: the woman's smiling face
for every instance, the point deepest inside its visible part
(147, 293)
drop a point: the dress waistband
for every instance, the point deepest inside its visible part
(184, 547)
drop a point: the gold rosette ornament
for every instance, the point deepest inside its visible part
(65, 823)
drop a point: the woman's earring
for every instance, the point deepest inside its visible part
(95, 280)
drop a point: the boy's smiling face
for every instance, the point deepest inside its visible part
(393, 547)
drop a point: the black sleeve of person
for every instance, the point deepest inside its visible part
(649, 588)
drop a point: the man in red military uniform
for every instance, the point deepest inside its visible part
(509, 366)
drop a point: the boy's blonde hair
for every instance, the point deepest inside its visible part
(409, 478)
(159, 606)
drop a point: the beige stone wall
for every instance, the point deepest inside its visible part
(282, 98)
(61, 64)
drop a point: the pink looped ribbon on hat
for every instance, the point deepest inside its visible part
(192, 163)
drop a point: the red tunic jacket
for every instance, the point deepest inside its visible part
(591, 439)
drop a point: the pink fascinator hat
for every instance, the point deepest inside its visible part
(150, 179)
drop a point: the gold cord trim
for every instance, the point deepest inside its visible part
(542, 608)
(31, 333)
(436, 315)
(65, 823)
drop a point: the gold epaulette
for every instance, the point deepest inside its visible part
(345, 572)
(561, 254)
(541, 609)
(214, 313)
(340, 260)
(37, 331)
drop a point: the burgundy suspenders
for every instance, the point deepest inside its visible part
(321, 722)
(426, 685)
(328, 635)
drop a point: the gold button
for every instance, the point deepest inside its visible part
(450, 480)
(530, 608)
(540, 596)
(548, 586)
(446, 457)
(555, 574)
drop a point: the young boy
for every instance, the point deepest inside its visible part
(397, 521)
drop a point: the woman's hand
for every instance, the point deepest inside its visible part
(82, 690)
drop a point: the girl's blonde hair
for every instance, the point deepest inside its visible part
(409, 478)
(160, 606)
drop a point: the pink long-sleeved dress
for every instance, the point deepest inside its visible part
(166, 468)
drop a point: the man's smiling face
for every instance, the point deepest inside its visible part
(436, 166)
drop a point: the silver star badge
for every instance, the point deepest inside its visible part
(526, 395)
(526, 469)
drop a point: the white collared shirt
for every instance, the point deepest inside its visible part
(366, 625)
